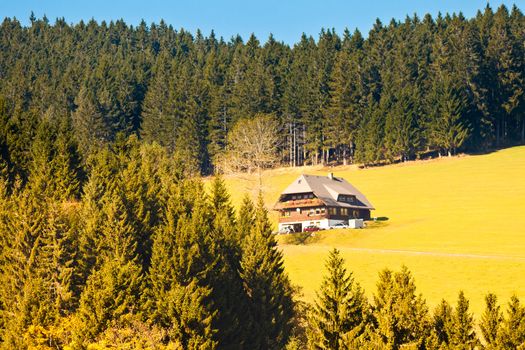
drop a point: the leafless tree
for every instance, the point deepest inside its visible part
(252, 145)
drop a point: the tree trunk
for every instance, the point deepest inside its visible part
(497, 133)
(290, 145)
(523, 130)
(294, 146)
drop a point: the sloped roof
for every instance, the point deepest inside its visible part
(328, 189)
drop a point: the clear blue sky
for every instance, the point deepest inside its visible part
(286, 19)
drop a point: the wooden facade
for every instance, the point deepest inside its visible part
(321, 201)
(320, 213)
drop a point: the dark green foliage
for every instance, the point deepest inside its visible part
(340, 310)
(266, 285)
(437, 84)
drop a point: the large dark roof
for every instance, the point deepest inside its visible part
(327, 189)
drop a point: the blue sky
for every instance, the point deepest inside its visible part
(286, 19)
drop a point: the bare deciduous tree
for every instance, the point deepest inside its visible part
(252, 145)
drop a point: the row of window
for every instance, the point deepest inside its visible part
(302, 196)
(322, 211)
(346, 199)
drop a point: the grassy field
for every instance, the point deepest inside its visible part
(457, 223)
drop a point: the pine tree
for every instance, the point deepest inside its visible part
(245, 219)
(446, 129)
(267, 286)
(114, 286)
(91, 129)
(512, 332)
(112, 291)
(340, 309)
(491, 321)
(463, 335)
(401, 315)
(158, 118)
(179, 298)
(443, 323)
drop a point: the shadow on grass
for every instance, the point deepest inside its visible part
(300, 238)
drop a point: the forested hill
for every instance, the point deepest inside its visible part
(419, 85)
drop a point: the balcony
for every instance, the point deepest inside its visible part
(302, 217)
(299, 203)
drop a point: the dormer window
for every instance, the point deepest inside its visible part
(346, 198)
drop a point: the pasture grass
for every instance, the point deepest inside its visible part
(457, 223)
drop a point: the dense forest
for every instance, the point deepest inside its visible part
(109, 238)
(409, 89)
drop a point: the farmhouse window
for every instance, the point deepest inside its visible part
(344, 211)
(332, 211)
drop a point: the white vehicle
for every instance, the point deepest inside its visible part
(339, 225)
(286, 230)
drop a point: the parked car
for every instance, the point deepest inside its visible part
(339, 225)
(311, 228)
(286, 230)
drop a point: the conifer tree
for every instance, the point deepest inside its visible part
(443, 323)
(158, 124)
(446, 129)
(491, 320)
(401, 315)
(114, 287)
(91, 129)
(267, 286)
(463, 335)
(512, 332)
(340, 310)
(245, 219)
(180, 297)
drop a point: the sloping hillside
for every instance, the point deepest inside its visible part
(457, 223)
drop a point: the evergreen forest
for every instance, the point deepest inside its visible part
(109, 238)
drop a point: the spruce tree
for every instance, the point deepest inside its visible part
(512, 332)
(91, 129)
(400, 314)
(443, 323)
(158, 118)
(179, 298)
(115, 284)
(340, 310)
(491, 321)
(245, 219)
(266, 285)
(463, 335)
(446, 128)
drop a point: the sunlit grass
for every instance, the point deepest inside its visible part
(472, 207)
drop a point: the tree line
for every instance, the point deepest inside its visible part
(412, 88)
(396, 317)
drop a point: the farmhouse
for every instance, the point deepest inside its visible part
(321, 201)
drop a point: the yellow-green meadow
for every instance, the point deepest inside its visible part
(456, 223)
